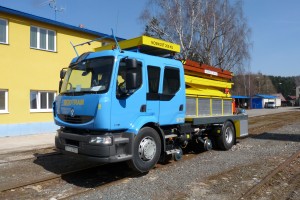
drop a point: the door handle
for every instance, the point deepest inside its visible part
(181, 107)
(143, 108)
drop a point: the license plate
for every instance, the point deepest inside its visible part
(71, 149)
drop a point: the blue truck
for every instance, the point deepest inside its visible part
(123, 104)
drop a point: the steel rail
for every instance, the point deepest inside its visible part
(58, 176)
(32, 157)
(266, 179)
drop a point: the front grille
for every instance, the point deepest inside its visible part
(78, 119)
(72, 142)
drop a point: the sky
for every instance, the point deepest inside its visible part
(275, 26)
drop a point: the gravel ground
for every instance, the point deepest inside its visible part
(266, 111)
(209, 175)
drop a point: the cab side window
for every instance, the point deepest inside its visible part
(153, 79)
(171, 82)
(121, 89)
(121, 84)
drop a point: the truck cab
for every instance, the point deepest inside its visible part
(107, 97)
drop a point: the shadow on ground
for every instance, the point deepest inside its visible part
(278, 137)
(83, 173)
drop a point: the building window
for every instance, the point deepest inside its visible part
(43, 39)
(41, 101)
(3, 31)
(3, 101)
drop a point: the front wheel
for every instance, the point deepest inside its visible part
(146, 150)
(227, 138)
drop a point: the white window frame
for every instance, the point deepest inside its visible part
(5, 101)
(38, 44)
(38, 101)
(6, 42)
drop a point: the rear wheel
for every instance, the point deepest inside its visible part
(227, 138)
(146, 150)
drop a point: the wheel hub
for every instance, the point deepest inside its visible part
(228, 135)
(147, 148)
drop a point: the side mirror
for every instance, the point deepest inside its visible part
(131, 64)
(62, 73)
(132, 75)
(60, 84)
(132, 81)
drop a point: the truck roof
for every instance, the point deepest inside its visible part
(145, 44)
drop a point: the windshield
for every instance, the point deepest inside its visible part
(89, 76)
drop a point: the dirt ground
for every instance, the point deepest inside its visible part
(270, 122)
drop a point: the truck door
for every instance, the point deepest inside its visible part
(126, 105)
(172, 97)
(153, 97)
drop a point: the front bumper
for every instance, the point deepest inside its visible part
(119, 150)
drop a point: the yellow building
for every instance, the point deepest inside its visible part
(33, 51)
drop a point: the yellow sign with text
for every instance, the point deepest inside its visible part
(75, 102)
(144, 41)
(160, 44)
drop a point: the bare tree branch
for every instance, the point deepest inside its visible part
(209, 31)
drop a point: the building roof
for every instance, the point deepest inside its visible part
(240, 97)
(265, 96)
(52, 22)
(279, 96)
(290, 97)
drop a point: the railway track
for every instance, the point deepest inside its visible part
(82, 182)
(27, 155)
(31, 157)
(265, 182)
(109, 174)
(49, 178)
(104, 175)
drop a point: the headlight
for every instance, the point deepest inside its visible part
(101, 140)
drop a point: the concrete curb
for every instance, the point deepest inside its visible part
(26, 142)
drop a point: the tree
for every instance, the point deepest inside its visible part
(209, 31)
(252, 84)
(285, 85)
(297, 81)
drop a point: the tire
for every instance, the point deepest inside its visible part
(146, 150)
(165, 159)
(227, 138)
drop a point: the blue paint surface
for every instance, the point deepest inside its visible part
(27, 128)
